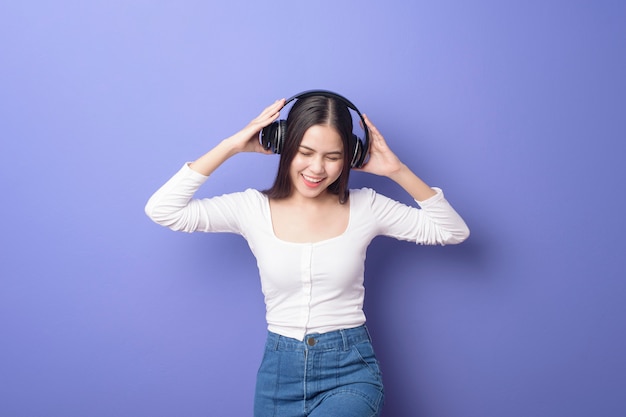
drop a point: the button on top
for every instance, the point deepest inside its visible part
(311, 341)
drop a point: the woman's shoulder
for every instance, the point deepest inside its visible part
(361, 192)
(253, 193)
(371, 200)
(365, 198)
(249, 196)
(359, 195)
(249, 205)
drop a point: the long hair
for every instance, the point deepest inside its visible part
(305, 113)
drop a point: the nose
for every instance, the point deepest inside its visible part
(317, 165)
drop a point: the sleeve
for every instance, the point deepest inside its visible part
(434, 223)
(173, 206)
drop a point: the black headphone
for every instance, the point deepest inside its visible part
(273, 136)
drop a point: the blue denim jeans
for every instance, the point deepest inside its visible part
(330, 374)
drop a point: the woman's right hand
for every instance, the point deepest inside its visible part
(247, 139)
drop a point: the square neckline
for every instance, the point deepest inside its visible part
(270, 225)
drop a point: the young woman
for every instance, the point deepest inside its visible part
(309, 234)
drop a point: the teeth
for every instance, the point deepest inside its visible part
(311, 179)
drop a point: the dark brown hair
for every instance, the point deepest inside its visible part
(305, 113)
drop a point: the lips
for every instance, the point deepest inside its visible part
(311, 182)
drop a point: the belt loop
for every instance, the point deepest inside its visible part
(344, 339)
(276, 339)
(367, 331)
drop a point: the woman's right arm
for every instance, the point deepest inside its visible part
(173, 205)
(246, 140)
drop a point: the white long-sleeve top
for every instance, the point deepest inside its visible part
(308, 287)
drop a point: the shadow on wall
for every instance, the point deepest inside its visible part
(401, 280)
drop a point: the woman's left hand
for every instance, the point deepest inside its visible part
(382, 161)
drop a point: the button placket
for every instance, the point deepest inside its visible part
(306, 255)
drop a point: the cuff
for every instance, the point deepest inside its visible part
(432, 200)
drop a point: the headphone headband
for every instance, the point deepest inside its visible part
(325, 93)
(273, 136)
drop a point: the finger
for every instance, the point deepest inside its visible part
(274, 107)
(271, 113)
(376, 137)
(370, 125)
(266, 112)
(267, 116)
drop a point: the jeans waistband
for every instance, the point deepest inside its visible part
(342, 339)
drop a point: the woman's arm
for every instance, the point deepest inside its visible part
(437, 222)
(172, 205)
(246, 140)
(382, 161)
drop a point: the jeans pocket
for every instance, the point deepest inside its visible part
(365, 353)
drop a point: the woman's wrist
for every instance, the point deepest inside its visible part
(228, 147)
(211, 160)
(396, 174)
(412, 184)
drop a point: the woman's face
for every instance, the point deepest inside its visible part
(318, 162)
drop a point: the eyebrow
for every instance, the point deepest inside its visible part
(327, 153)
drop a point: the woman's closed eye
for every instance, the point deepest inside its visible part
(330, 156)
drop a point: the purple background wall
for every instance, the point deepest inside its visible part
(515, 108)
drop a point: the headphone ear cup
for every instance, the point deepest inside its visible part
(266, 136)
(273, 136)
(357, 159)
(281, 133)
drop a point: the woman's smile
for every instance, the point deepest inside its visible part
(312, 182)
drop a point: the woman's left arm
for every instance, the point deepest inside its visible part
(382, 161)
(447, 226)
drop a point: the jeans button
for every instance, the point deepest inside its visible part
(311, 341)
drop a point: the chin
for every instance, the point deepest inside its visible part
(308, 192)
